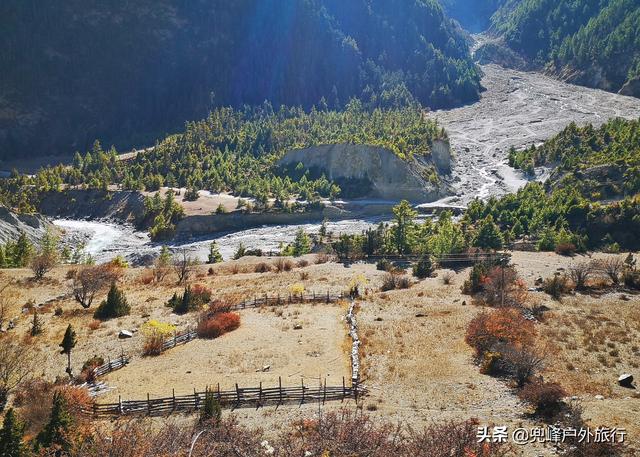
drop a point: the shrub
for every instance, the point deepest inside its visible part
(304, 275)
(521, 364)
(476, 278)
(262, 267)
(567, 249)
(631, 279)
(212, 326)
(211, 409)
(281, 264)
(87, 372)
(388, 282)
(557, 286)
(296, 289)
(402, 282)
(384, 265)
(155, 334)
(423, 268)
(507, 326)
(192, 299)
(502, 287)
(447, 277)
(545, 397)
(114, 306)
(302, 263)
(321, 258)
(580, 273)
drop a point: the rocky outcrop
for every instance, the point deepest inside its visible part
(11, 224)
(390, 177)
(127, 206)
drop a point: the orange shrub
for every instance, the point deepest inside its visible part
(146, 277)
(506, 325)
(213, 326)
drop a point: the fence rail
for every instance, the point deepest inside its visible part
(277, 300)
(178, 339)
(240, 397)
(111, 365)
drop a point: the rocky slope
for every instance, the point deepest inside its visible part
(387, 176)
(11, 224)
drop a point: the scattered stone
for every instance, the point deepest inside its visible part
(539, 281)
(623, 297)
(599, 397)
(378, 319)
(421, 315)
(297, 326)
(266, 368)
(625, 380)
(464, 302)
(125, 334)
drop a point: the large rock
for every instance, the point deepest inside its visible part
(625, 380)
(391, 178)
(631, 88)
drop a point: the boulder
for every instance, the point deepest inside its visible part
(125, 334)
(625, 380)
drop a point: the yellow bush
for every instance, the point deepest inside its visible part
(156, 328)
(296, 289)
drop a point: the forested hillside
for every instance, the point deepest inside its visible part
(594, 43)
(129, 72)
(473, 15)
(236, 151)
(592, 198)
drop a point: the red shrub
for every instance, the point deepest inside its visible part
(545, 397)
(506, 325)
(213, 326)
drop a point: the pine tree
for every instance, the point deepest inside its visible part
(214, 253)
(11, 436)
(211, 410)
(56, 432)
(489, 236)
(301, 244)
(114, 306)
(404, 215)
(22, 251)
(240, 252)
(67, 344)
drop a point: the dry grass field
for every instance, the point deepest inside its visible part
(415, 362)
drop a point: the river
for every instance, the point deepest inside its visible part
(517, 109)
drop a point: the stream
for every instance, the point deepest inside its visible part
(517, 109)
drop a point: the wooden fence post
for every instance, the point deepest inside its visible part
(175, 336)
(324, 394)
(174, 399)
(219, 395)
(196, 398)
(237, 394)
(279, 389)
(120, 404)
(344, 390)
(260, 395)
(327, 296)
(302, 379)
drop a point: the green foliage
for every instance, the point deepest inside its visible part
(192, 299)
(301, 244)
(164, 214)
(403, 215)
(211, 409)
(68, 343)
(138, 70)
(56, 432)
(214, 253)
(488, 236)
(11, 436)
(36, 325)
(423, 268)
(584, 36)
(114, 306)
(16, 254)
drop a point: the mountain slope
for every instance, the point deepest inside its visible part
(593, 43)
(128, 72)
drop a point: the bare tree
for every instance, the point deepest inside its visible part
(4, 305)
(579, 273)
(17, 363)
(91, 280)
(183, 265)
(47, 256)
(613, 268)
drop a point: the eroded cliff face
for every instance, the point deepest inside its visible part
(391, 178)
(11, 224)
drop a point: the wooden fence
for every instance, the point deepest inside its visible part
(278, 300)
(179, 338)
(240, 397)
(111, 365)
